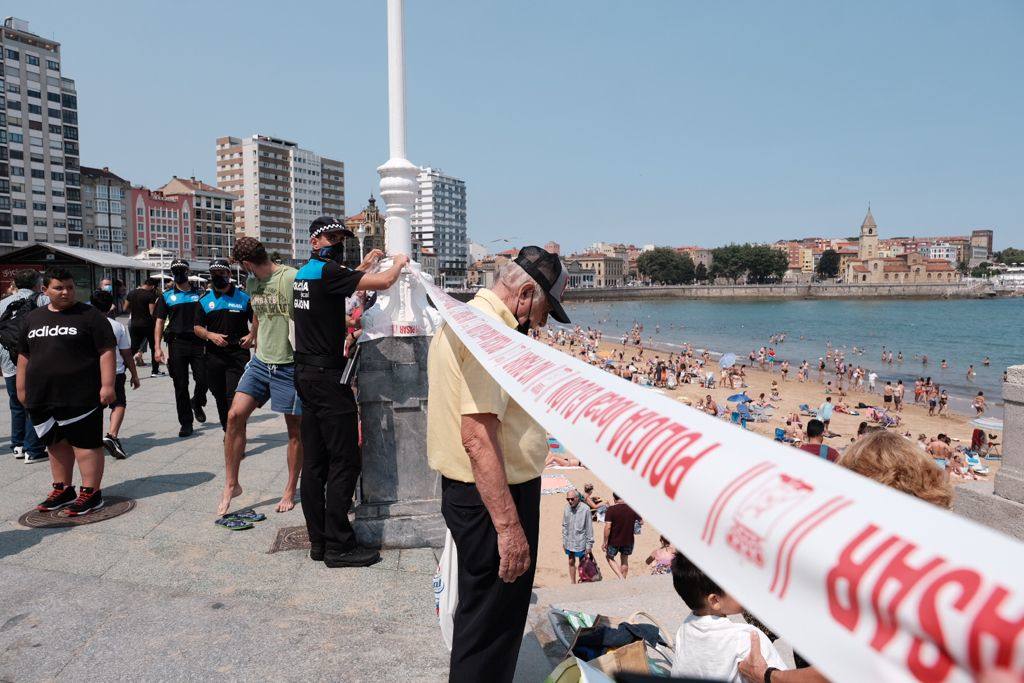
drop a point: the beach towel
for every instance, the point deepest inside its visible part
(555, 483)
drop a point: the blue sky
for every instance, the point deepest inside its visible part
(647, 121)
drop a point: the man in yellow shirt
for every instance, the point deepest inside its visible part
(490, 454)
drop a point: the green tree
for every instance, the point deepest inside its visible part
(666, 266)
(963, 267)
(1010, 255)
(983, 270)
(828, 264)
(275, 256)
(700, 274)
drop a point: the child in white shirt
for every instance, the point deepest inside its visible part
(709, 644)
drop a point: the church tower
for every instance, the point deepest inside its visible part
(867, 247)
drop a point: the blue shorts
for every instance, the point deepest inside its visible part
(274, 382)
(575, 553)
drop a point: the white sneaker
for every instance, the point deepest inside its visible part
(19, 452)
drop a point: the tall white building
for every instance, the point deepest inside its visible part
(439, 224)
(280, 188)
(40, 183)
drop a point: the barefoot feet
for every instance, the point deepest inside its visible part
(225, 499)
(287, 502)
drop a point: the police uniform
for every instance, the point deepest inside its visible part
(330, 433)
(178, 310)
(228, 313)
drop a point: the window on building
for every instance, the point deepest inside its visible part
(13, 54)
(50, 64)
(32, 59)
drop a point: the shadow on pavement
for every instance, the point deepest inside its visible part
(16, 540)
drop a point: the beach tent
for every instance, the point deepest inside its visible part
(739, 398)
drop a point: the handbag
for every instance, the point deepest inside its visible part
(446, 589)
(589, 571)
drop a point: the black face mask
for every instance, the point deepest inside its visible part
(179, 277)
(333, 252)
(220, 281)
(524, 327)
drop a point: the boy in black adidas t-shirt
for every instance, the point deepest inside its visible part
(65, 376)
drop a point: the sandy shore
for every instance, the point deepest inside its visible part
(552, 565)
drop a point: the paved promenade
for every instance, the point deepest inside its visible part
(161, 592)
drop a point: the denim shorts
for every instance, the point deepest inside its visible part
(575, 553)
(274, 382)
(624, 550)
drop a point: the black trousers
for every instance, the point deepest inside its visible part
(331, 460)
(224, 367)
(182, 356)
(491, 614)
(144, 333)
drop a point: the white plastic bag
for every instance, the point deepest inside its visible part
(446, 589)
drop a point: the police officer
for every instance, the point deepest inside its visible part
(330, 433)
(175, 315)
(222, 321)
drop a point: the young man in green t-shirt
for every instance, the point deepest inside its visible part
(270, 375)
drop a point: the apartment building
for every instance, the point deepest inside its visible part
(439, 224)
(158, 221)
(40, 184)
(213, 225)
(278, 189)
(105, 210)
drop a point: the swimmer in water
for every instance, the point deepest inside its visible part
(986, 361)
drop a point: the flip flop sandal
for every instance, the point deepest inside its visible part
(234, 524)
(248, 515)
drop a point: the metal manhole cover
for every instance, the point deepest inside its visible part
(113, 506)
(290, 538)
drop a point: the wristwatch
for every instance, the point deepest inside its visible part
(768, 674)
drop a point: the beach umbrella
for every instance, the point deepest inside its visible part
(739, 398)
(993, 423)
(727, 360)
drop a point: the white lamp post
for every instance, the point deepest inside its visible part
(403, 310)
(361, 234)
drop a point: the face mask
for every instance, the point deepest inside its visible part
(108, 288)
(524, 327)
(220, 281)
(332, 252)
(180, 278)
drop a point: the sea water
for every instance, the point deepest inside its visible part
(960, 331)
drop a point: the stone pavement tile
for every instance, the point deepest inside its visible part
(75, 550)
(13, 507)
(137, 523)
(12, 470)
(418, 561)
(187, 526)
(161, 562)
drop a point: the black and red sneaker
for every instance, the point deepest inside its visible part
(88, 501)
(60, 496)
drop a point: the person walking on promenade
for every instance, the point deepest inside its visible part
(175, 314)
(577, 531)
(222, 318)
(620, 524)
(270, 374)
(140, 304)
(103, 301)
(491, 454)
(63, 340)
(330, 423)
(27, 297)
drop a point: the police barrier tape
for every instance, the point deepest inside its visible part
(867, 582)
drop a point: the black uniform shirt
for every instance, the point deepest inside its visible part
(320, 290)
(228, 314)
(178, 309)
(63, 350)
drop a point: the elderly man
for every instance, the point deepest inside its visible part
(577, 531)
(490, 454)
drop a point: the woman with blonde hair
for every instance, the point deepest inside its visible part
(890, 459)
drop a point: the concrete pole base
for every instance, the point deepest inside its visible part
(400, 495)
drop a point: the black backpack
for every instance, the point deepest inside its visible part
(12, 322)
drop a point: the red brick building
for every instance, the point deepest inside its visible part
(158, 220)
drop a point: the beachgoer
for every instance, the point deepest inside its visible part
(25, 298)
(709, 645)
(140, 304)
(619, 535)
(270, 374)
(660, 560)
(577, 531)
(979, 404)
(897, 396)
(491, 453)
(815, 443)
(103, 301)
(61, 340)
(825, 413)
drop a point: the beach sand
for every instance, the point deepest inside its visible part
(552, 567)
